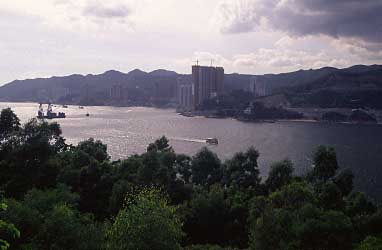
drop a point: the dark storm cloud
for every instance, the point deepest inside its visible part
(360, 19)
(101, 11)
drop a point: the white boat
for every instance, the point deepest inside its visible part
(213, 141)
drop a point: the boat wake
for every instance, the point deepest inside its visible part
(188, 140)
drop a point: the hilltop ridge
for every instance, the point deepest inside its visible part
(161, 85)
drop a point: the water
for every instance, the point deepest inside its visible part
(129, 130)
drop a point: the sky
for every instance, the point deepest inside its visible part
(43, 38)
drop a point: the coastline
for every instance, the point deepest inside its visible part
(303, 120)
(212, 116)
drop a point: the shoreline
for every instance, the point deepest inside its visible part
(306, 120)
(191, 115)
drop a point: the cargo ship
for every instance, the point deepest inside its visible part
(49, 113)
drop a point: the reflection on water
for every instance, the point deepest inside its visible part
(129, 130)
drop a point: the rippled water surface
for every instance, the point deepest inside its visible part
(129, 130)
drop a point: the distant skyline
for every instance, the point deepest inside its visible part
(60, 37)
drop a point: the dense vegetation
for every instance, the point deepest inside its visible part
(234, 104)
(57, 196)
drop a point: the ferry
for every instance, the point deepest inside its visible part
(49, 114)
(213, 141)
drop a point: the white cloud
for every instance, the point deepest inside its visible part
(351, 19)
(281, 60)
(284, 42)
(59, 37)
(274, 60)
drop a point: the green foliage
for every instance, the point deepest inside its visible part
(358, 205)
(162, 145)
(370, 243)
(119, 192)
(208, 247)
(325, 163)
(208, 216)
(293, 196)
(281, 174)
(242, 170)
(9, 123)
(27, 159)
(94, 149)
(305, 227)
(291, 219)
(330, 196)
(88, 171)
(61, 197)
(6, 229)
(344, 181)
(49, 220)
(147, 222)
(206, 167)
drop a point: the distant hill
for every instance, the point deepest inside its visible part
(354, 87)
(91, 89)
(161, 85)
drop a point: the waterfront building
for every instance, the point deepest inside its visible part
(186, 97)
(185, 93)
(208, 83)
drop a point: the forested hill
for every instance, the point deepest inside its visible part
(347, 88)
(80, 87)
(161, 84)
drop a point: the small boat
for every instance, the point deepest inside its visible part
(80, 107)
(213, 141)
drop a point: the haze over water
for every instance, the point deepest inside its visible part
(129, 130)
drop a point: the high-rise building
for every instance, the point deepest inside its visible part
(118, 93)
(186, 97)
(208, 82)
(257, 87)
(185, 93)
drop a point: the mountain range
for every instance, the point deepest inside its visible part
(161, 85)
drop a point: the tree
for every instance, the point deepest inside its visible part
(292, 196)
(49, 220)
(95, 187)
(281, 174)
(120, 189)
(206, 167)
(7, 229)
(344, 181)
(317, 229)
(306, 227)
(325, 163)
(161, 144)
(94, 149)
(370, 243)
(9, 122)
(358, 205)
(183, 166)
(330, 196)
(208, 247)
(147, 222)
(243, 170)
(27, 158)
(208, 217)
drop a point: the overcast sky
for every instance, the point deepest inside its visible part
(42, 38)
